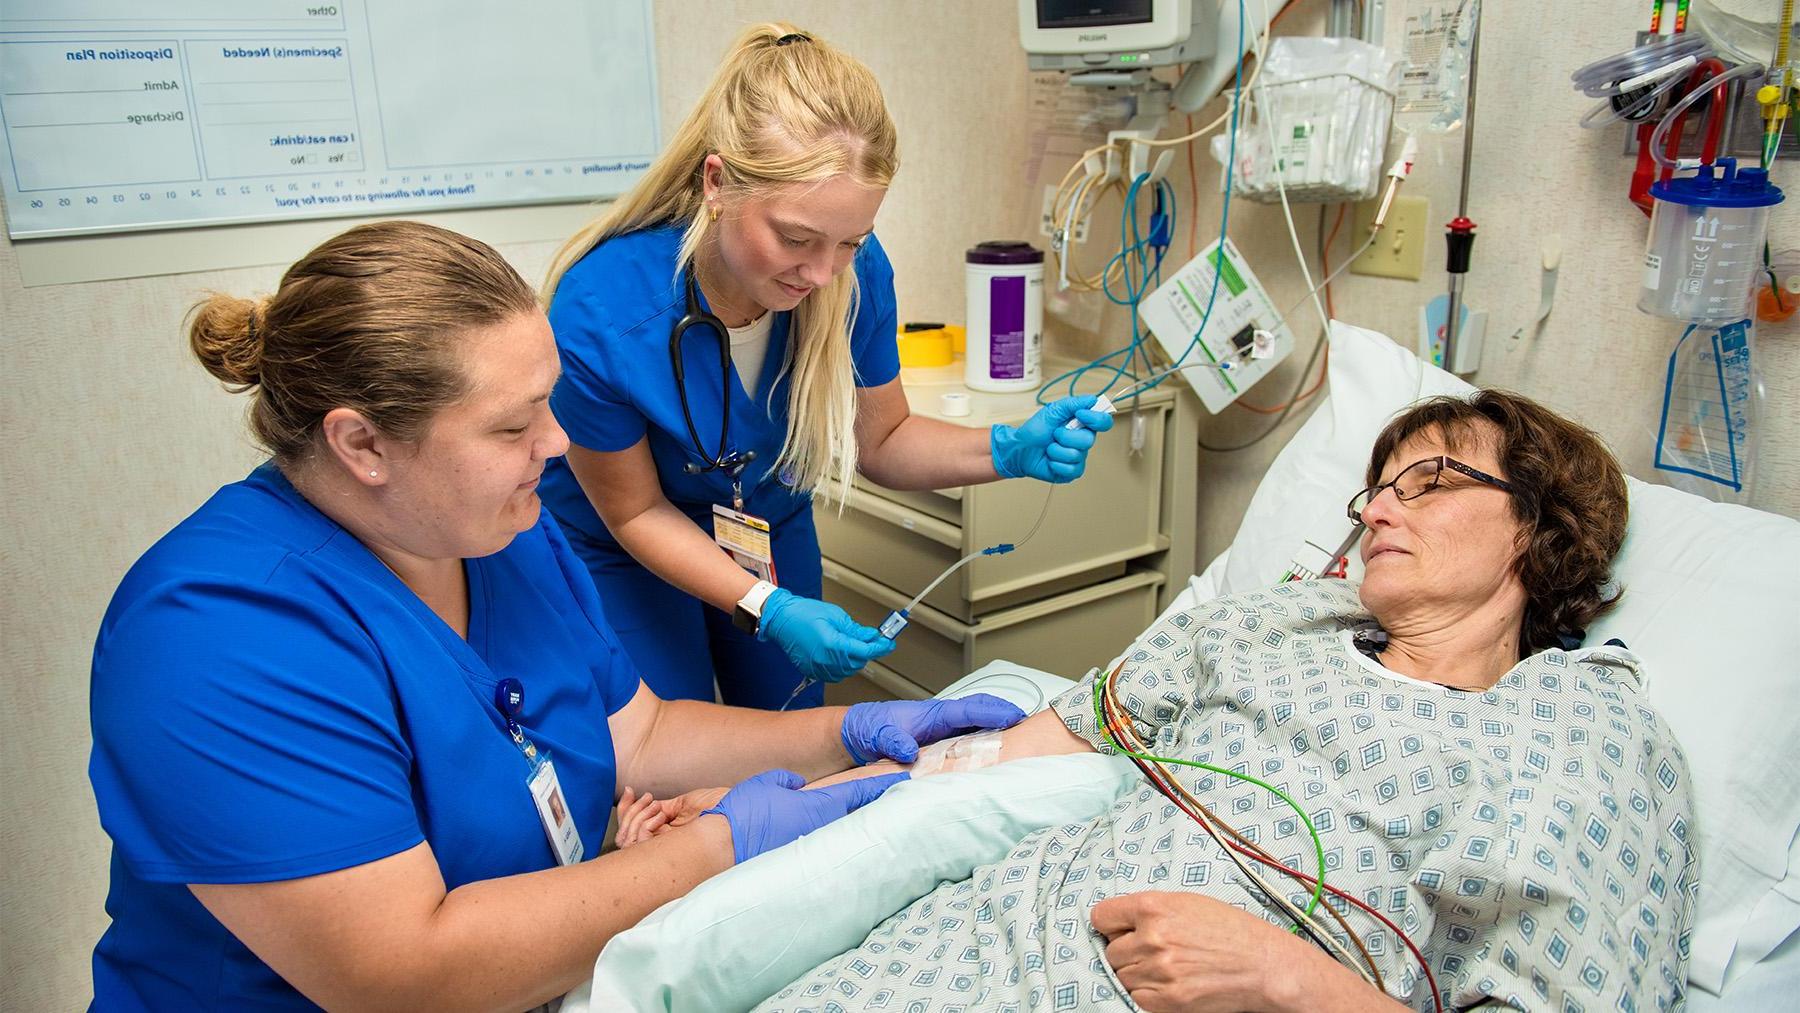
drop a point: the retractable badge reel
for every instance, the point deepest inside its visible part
(546, 790)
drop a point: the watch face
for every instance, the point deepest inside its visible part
(743, 619)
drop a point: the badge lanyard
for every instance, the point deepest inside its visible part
(546, 790)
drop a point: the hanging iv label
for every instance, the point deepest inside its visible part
(1434, 76)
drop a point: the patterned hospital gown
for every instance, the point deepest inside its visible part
(1535, 840)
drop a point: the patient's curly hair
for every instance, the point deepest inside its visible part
(1568, 492)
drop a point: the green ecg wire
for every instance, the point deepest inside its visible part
(1318, 890)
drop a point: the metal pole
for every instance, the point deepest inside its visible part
(1462, 204)
(1462, 200)
(1339, 23)
(1374, 22)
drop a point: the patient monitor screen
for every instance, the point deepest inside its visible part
(1093, 13)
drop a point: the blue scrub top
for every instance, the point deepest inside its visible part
(271, 702)
(613, 315)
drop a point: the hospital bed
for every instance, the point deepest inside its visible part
(1711, 607)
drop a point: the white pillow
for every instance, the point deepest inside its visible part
(1711, 605)
(745, 934)
(1315, 475)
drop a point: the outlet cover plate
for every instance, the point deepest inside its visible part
(1399, 252)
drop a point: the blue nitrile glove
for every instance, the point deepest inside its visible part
(895, 729)
(1045, 448)
(818, 637)
(769, 810)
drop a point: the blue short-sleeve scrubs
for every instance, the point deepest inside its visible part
(613, 314)
(271, 702)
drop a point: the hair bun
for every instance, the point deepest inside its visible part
(223, 332)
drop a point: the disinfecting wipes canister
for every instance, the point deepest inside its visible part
(1005, 316)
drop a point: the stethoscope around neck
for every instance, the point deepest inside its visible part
(732, 463)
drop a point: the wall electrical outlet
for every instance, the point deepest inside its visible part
(1047, 225)
(1399, 252)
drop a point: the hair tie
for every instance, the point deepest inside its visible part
(250, 325)
(792, 37)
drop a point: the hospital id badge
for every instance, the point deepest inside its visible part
(745, 538)
(553, 811)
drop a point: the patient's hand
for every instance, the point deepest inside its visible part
(1041, 734)
(642, 817)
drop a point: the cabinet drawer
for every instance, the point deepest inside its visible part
(1066, 634)
(1093, 528)
(904, 551)
(944, 504)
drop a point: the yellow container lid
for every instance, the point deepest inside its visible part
(928, 345)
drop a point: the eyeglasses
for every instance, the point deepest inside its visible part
(1419, 478)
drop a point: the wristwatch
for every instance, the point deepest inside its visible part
(748, 614)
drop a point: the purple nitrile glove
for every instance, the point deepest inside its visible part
(770, 809)
(895, 729)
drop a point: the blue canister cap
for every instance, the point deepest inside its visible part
(1720, 185)
(1004, 251)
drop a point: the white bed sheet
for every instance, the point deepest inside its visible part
(1772, 983)
(744, 934)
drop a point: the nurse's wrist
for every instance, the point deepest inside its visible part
(748, 613)
(714, 832)
(727, 592)
(1000, 439)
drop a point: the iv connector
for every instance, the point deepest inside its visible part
(1101, 405)
(893, 624)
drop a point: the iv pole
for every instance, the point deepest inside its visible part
(1460, 237)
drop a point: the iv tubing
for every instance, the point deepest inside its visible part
(1614, 74)
(1632, 84)
(993, 550)
(952, 568)
(1662, 128)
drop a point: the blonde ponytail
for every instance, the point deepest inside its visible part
(775, 113)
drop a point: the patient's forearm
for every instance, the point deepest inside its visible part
(1042, 734)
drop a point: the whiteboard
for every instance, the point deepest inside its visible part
(124, 115)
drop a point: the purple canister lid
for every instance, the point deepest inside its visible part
(1004, 251)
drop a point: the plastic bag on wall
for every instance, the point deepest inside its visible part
(1712, 401)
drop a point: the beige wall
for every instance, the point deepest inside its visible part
(111, 434)
(1536, 172)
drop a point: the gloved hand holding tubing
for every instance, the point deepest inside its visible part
(1045, 448)
(818, 637)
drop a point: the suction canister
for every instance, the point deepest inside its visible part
(1704, 253)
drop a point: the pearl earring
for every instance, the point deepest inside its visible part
(372, 474)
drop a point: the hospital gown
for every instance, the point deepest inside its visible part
(1535, 840)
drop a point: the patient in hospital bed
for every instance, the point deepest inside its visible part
(1510, 804)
